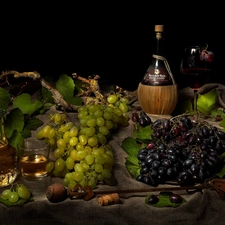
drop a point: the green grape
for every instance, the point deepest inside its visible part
(61, 143)
(97, 151)
(108, 115)
(93, 141)
(101, 138)
(90, 131)
(78, 176)
(124, 107)
(100, 159)
(92, 182)
(66, 136)
(73, 154)
(112, 98)
(83, 139)
(73, 131)
(89, 159)
(109, 109)
(23, 192)
(69, 177)
(72, 184)
(100, 177)
(57, 118)
(84, 182)
(100, 121)
(70, 163)
(98, 113)
(108, 158)
(81, 154)
(82, 114)
(73, 141)
(124, 100)
(13, 197)
(65, 182)
(83, 121)
(59, 164)
(106, 173)
(109, 124)
(45, 130)
(78, 167)
(79, 146)
(117, 111)
(39, 134)
(50, 166)
(58, 152)
(98, 168)
(93, 108)
(91, 122)
(51, 141)
(5, 194)
(104, 130)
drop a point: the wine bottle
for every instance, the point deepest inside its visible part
(158, 73)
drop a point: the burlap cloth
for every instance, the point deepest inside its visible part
(201, 208)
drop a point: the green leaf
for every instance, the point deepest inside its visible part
(65, 85)
(24, 103)
(164, 200)
(20, 202)
(75, 101)
(32, 124)
(14, 121)
(130, 146)
(15, 139)
(142, 133)
(206, 102)
(133, 169)
(5, 99)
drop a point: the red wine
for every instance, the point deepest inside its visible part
(195, 77)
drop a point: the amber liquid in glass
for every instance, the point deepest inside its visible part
(33, 166)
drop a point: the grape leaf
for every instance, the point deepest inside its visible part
(15, 139)
(164, 200)
(24, 103)
(142, 133)
(31, 124)
(206, 102)
(65, 85)
(130, 146)
(14, 121)
(5, 99)
(20, 202)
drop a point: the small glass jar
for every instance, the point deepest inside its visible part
(8, 159)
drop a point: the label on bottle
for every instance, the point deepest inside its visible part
(157, 76)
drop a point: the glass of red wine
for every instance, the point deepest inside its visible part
(196, 68)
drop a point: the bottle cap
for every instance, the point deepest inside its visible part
(159, 28)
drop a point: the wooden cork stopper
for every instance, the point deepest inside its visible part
(109, 199)
(159, 28)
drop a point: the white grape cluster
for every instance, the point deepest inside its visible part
(81, 152)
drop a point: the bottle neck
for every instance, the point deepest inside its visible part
(159, 44)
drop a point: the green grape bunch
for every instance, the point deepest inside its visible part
(81, 153)
(16, 194)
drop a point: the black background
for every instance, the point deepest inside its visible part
(113, 40)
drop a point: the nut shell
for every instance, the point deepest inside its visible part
(56, 193)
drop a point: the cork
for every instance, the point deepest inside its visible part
(159, 28)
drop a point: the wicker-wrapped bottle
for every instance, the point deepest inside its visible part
(158, 91)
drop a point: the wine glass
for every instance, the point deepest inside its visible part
(196, 68)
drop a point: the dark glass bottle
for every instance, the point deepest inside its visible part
(158, 73)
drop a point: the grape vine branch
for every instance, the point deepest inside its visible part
(91, 86)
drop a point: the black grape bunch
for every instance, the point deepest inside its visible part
(142, 118)
(181, 150)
